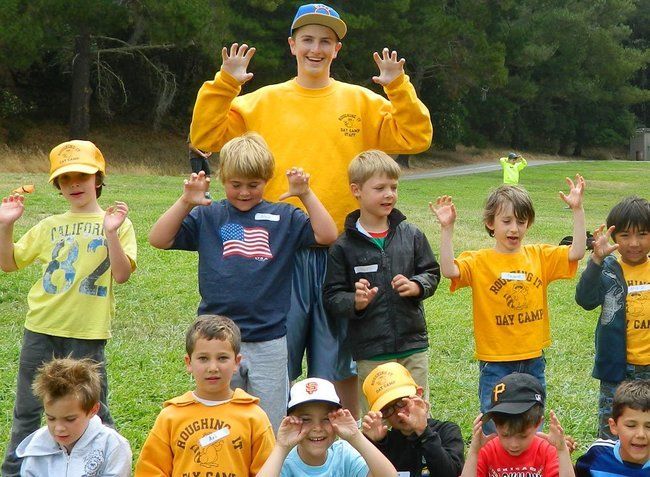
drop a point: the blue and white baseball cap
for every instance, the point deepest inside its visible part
(319, 14)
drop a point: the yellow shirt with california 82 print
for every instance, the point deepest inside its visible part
(74, 296)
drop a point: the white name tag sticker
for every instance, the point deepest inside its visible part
(638, 288)
(366, 268)
(518, 277)
(214, 437)
(403, 473)
(268, 217)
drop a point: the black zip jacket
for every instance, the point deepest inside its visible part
(390, 323)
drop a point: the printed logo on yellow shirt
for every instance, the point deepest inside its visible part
(350, 124)
(517, 292)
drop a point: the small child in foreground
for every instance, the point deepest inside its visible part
(517, 448)
(415, 441)
(630, 422)
(74, 442)
(307, 442)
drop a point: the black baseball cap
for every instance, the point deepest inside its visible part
(515, 394)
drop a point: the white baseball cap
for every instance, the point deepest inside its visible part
(312, 390)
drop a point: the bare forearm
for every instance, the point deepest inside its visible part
(565, 465)
(448, 267)
(120, 263)
(471, 465)
(273, 465)
(7, 262)
(378, 464)
(164, 231)
(324, 227)
(579, 245)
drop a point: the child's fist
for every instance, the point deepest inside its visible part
(363, 294)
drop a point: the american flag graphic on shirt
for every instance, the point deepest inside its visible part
(250, 242)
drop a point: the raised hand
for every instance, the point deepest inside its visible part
(195, 189)
(415, 413)
(298, 183)
(405, 287)
(344, 425)
(115, 215)
(478, 438)
(389, 67)
(555, 435)
(576, 192)
(235, 61)
(373, 426)
(363, 294)
(602, 244)
(291, 432)
(444, 210)
(11, 209)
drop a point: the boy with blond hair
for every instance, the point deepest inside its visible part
(318, 123)
(629, 456)
(379, 271)
(509, 281)
(212, 430)
(71, 307)
(620, 285)
(415, 441)
(246, 249)
(74, 442)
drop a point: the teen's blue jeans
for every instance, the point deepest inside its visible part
(490, 373)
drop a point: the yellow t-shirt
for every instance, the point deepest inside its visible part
(509, 298)
(74, 297)
(637, 312)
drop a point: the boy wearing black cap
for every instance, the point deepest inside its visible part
(306, 441)
(517, 448)
(320, 124)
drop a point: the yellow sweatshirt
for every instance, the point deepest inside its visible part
(320, 130)
(191, 438)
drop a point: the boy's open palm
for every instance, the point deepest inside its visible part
(576, 192)
(363, 294)
(115, 215)
(602, 244)
(298, 183)
(344, 425)
(235, 61)
(194, 189)
(555, 435)
(478, 438)
(11, 209)
(415, 413)
(291, 432)
(444, 210)
(373, 426)
(389, 67)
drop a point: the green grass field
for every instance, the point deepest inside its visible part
(145, 355)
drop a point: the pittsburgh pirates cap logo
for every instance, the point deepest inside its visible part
(498, 389)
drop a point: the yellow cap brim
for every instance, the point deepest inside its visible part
(83, 168)
(392, 395)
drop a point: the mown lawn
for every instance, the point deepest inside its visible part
(155, 307)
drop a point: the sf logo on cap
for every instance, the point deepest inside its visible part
(498, 389)
(311, 388)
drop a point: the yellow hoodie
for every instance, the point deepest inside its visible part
(320, 130)
(191, 438)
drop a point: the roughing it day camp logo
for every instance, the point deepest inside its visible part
(350, 124)
(68, 153)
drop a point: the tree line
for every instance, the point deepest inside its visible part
(550, 75)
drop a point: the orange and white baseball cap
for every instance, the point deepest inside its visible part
(387, 383)
(312, 390)
(76, 156)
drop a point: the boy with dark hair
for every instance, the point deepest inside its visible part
(212, 426)
(509, 281)
(414, 442)
(629, 456)
(71, 307)
(379, 272)
(512, 166)
(317, 123)
(246, 249)
(74, 442)
(517, 409)
(621, 287)
(307, 442)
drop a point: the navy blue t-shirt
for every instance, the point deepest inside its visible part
(246, 262)
(603, 459)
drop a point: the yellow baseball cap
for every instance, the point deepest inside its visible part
(76, 156)
(386, 383)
